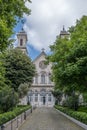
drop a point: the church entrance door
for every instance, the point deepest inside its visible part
(44, 100)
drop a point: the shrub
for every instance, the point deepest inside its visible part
(83, 109)
(12, 114)
(8, 98)
(81, 116)
(71, 102)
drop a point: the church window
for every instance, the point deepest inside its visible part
(21, 42)
(36, 79)
(30, 95)
(30, 98)
(36, 98)
(49, 78)
(42, 64)
(43, 79)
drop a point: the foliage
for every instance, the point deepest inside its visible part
(2, 70)
(23, 89)
(15, 68)
(59, 51)
(12, 114)
(19, 68)
(8, 98)
(58, 95)
(81, 116)
(72, 102)
(83, 109)
(10, 13)
(69, 57)
(76, 68)
(85, 98)
(76, 60)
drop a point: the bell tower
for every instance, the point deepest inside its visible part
(64, 33)
(22, 40)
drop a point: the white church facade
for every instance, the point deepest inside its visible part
(40, 93)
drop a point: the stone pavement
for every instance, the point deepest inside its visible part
(48, 119)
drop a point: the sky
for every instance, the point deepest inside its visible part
(46, 21)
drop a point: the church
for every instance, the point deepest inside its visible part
(40, 93)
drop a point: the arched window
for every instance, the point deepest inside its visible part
(42, 94)
(43, 79)
(30, 96)
(36, 79)
(49, 78)
(21, 42)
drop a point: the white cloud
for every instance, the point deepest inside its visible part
(48, 17)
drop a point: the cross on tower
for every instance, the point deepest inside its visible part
(63, 28)
(22, 22)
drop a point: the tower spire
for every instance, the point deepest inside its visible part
(22, 22)
(63, 28)
(64, 33)
(43, 49)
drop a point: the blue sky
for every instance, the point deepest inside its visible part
(46, 21)
(32, 52)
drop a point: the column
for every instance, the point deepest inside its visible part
(47, 79)
(38, 99)
(39, 79)
(52, 100)
(33, 100)
(47, 99)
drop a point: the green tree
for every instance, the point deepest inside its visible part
(8, 98)
(23, 89)
(72, 102)
(75, 71)
(59, 50)
(19, 68)
(11, 11)
(69, 57)
(58, 95)
(2, 70)
(85, 98)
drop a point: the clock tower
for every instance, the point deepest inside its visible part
(22, 40)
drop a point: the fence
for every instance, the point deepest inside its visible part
(16, 122)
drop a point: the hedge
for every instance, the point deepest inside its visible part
(5, 117)
(81, 116)
(83, 108)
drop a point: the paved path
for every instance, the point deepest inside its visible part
(48, 119)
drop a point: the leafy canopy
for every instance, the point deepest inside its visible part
(19, 68)
(8, 98)
(69, 57)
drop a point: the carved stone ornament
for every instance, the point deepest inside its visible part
(42, 65)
